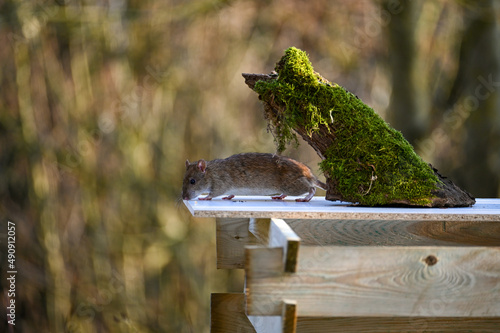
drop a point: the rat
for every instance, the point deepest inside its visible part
(249, 174)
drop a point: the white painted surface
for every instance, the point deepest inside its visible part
(319, 208)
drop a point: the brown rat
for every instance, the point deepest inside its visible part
(249, 174)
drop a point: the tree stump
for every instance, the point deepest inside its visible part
(365, 161)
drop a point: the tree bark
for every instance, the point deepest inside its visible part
(446, 194)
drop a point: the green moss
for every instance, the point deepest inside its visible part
(368, 161)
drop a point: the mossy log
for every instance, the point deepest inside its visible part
(364, 159)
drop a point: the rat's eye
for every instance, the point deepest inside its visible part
(192, 181)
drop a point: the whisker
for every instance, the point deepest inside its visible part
(178, 201)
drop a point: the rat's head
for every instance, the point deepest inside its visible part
(195, 181)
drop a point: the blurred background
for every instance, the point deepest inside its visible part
(101, 103)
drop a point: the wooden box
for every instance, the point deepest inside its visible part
(333, 267)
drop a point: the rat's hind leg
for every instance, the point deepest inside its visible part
(279, 197)
(308, 197)
(229, 197)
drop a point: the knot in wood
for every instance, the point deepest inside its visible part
(431, 260)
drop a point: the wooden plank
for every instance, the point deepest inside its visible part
(277, 233)
(289, 315)
(260, 229)
(397, 324)
(476, 233)
(391, 233)
(319, 208)
(281, 235)
(377, 281)
(264, 262)
(286, 323)
(231, 237)
(228, 314)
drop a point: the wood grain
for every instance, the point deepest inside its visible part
(397, 324)
(399, 232)
(459, 232)
(231, 237)
(260, 229)
(377, 281)
(228, 314)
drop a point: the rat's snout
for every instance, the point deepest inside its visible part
(185, 195)
(189, 194)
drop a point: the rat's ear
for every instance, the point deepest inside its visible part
(187, 164)
(202, 165)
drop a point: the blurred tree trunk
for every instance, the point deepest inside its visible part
(474, 102)
(405, 112)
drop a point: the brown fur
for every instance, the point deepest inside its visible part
(249, 174)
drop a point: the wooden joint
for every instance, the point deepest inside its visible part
(281, 235)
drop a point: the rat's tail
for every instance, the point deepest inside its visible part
(320, 184)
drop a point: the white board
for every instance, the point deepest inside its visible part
(319, 208)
